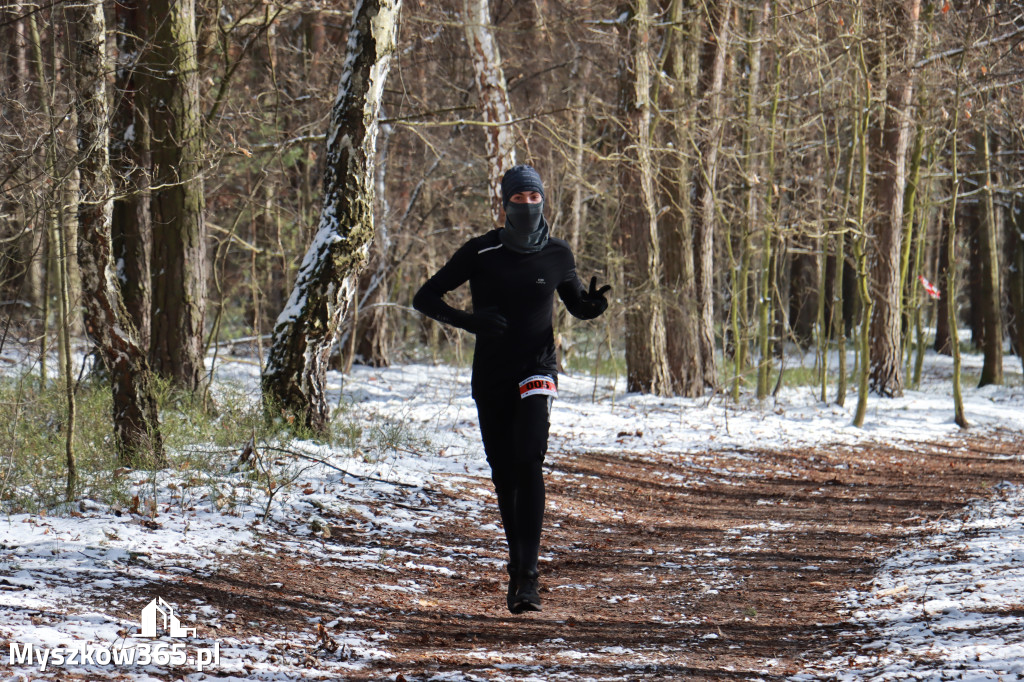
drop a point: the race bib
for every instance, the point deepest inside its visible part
(539, 384)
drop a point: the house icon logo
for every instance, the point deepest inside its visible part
(170, 621)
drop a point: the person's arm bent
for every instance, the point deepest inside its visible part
(429, 300)
(581, 303)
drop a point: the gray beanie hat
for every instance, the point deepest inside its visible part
(521, 178)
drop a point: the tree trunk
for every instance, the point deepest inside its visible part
(26, 273)
(497, 111)
(803, 291)
(681, 312)
(577, 179)
(59, 230)
(972, 220)
(862, 112)
(915, 226)
(67, 231)
(373, 337)
(781, 284)
(716, 51)
(306, 330)
(766, 277)
(951, 266)
(136, 428)
(63, 152)
(886, 322)
(578, 209)
(179, 266)
(646, 355)
(129, 149)
(838, 298)
(943, 346)
(739, 308)
(52, 219)
(990, 294)
(912, 222)
(1013, 235)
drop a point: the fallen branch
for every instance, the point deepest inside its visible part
(311, 458)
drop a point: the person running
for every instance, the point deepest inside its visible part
(513, 274)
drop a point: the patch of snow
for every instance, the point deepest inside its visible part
(947, 607)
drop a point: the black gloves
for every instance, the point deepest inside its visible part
(486, 322)
(594, 299)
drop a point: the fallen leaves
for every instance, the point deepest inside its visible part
(324, 640)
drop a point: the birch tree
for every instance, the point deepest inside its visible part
(136, 428)
(494, 102)
(306, 330)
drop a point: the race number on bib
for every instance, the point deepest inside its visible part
(538, 384)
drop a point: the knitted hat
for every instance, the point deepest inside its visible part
(521, 178)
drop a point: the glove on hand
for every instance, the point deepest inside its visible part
(595, 297)
(487, 322)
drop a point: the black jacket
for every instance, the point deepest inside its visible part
(519, 286)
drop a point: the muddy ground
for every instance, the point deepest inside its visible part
(712, 566)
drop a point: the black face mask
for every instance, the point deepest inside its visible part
(524, 218)
(525, 231)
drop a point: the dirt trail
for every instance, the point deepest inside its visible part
(717, 566)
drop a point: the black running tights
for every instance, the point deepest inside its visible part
(515, 436)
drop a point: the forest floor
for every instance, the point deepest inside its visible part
(671, 551)
(644, 578)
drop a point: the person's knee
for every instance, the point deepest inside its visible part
(529, 473)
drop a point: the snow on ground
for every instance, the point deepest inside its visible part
(956, 595)
(948, 608)
(794, 418)
(50, 566)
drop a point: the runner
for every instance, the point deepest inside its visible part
(513, 273)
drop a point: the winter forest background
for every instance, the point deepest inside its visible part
(762, 183)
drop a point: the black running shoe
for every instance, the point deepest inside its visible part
(527, 597)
